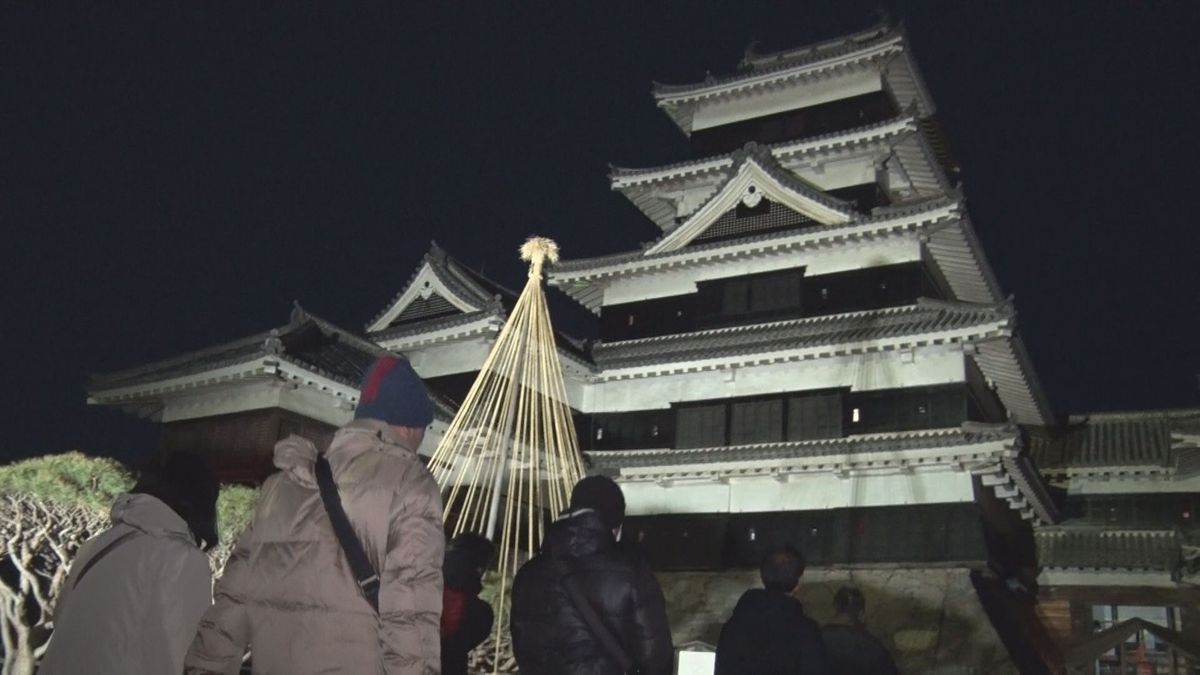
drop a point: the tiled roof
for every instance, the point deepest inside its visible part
(1032, 487)
(839, 140)
(888, 442)
(436, 324)
(306, 341)
(1100, 548)
(468, 285)
(927, 316)
(827, 232)
(1149, 440)
(757, 65)
(884, 48)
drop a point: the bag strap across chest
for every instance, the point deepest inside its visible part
(360, 565)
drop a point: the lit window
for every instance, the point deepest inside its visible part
(854, 415)
(599, 433)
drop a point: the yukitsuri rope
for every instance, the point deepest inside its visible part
(510, 455)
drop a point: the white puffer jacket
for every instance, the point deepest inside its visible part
(137, 609)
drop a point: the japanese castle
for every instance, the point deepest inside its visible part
(812, 349)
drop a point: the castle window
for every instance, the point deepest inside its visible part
(756, 422)
(814, 416)
(700, 426)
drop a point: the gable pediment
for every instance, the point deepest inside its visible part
(755, 178)
(428, 295)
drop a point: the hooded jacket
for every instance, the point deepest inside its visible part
(288, 593)
(769, 634)
(136, 610)
(551, 638)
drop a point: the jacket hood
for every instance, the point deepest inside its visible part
(150, 515)
(577, 534)
(297, 457)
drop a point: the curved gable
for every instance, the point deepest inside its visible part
(755, 177)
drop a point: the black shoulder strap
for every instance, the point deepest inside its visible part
(599, 631)
(108, 548)
(360, 565)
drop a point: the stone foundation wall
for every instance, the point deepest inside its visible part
(930, 619)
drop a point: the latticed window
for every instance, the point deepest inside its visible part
(700, 426)
(812, 417)
(756, 422)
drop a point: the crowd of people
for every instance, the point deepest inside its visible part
(345, 568)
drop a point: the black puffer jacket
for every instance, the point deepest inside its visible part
(550, 637)
(769, 634)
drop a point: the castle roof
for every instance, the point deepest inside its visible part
(883, 48)
(1156, 443)
(307, 349)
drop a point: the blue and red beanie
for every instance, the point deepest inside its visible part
(393, 393)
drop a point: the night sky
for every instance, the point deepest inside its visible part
(175, 176)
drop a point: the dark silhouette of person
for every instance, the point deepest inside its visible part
(769, 633)
(466, 618)
(851, 648)
(585, 604)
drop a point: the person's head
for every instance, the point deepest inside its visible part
(850, 603)
(186, 484)
(602, 495)
(467, 555)
(393, 393)
(781, 570)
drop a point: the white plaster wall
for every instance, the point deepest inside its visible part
(682, 280)
(234, 397)
(831, 175)
(789, 97)
(929, 366)
(1098, 486)
(244, 395)
(316, 404)
(800, 493)
(449, 358)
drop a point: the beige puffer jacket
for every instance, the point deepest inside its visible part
(288, 593)
(137, 608)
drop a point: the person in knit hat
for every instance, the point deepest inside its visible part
(288, 594)
(582, 570)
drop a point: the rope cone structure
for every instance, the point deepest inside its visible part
(510, 455)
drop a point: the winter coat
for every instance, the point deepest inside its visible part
(136, 610)
(853, 650)
(288, 593)
(769, 634)
(549, 635)
(466, 622)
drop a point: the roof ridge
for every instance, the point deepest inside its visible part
(1133, 415)
(330, 328)
(786, 148)
(839, 48)
(752, 57)
(807, 320)
(259, 337)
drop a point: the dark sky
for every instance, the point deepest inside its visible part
(175, 176)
